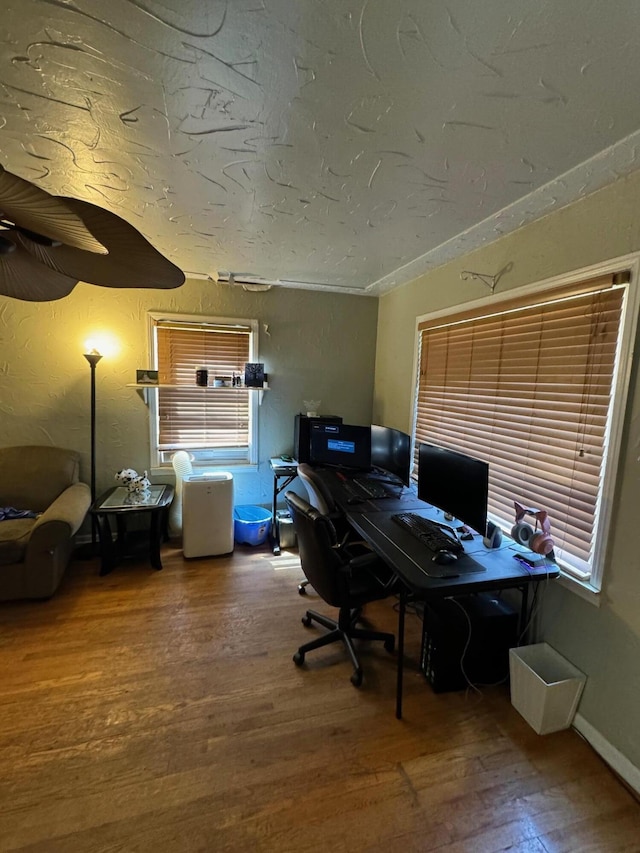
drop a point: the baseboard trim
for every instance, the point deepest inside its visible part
(613, 757)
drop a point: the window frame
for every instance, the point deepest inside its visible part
(241, 457)
(589, 589)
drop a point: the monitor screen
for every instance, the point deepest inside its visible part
(391, 451)
(346, 445)
(455, 483)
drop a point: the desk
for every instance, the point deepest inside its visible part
(480, 570)
(282, 471)
(119, 503)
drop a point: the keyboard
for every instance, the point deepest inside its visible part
(363, 490)
(428, 532)
(370, 488)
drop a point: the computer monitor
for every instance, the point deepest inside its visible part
(455, 483)
(391, 451)
(344, 445)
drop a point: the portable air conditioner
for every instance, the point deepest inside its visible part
(207, 514)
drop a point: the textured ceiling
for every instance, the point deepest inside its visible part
(321, 142)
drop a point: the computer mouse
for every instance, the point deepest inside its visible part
(443, 558)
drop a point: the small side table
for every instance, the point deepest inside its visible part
(286, 471)
(120, 503)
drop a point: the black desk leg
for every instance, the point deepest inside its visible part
(401, 615)
(275, 530)
(524, 607)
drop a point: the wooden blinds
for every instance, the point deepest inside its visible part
(192, 417)
(528, 390)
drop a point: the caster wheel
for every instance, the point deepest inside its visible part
(356, 678)
(302, 589)
(306, 621)
(298, 658)
(389, 645)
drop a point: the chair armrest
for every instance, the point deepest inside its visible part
(377, 568)
(62, 519)
(364, 561)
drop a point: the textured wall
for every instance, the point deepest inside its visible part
(604, 642)
(316, 345)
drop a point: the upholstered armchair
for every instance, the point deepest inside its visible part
(34, 552)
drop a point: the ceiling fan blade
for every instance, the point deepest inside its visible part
(131, 260)
(22, 277)
(27, 206)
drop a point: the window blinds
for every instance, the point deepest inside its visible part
(191, 417)
(528, 390)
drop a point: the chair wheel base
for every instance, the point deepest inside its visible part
(389, 645)
(298, 658)
(356, 678)
(306, 621)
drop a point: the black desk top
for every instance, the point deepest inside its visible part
(478, 569)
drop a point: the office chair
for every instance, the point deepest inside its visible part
(319, 497)
(322, 500)
(342, 580)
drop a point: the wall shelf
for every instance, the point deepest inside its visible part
(143, 388)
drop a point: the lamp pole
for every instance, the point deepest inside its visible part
(93, 358)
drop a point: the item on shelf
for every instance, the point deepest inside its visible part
(202, 377)
(146, 377)
(222, 382)
(254, 374)
(311, 407)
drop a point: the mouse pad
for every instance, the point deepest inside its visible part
(419, 554)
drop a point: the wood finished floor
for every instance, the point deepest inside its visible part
(161, 711)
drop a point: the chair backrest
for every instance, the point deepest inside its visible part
(321, 563)
(32, 476)
(320, 497)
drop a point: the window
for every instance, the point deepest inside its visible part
(535, 386)
(216, 425)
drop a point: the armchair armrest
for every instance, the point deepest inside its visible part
(61, 520)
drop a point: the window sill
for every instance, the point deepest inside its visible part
(235, 468)
(581, 588)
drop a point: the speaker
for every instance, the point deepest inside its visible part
(302, 433)
(493, 539)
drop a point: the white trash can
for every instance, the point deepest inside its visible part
(545, 687)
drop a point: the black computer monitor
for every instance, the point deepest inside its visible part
(455, 483)
(344, 445)
(391, 451)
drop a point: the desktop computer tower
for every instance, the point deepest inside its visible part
(494, 630)
(302, 433)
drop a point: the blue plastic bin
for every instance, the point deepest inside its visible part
(251, 524)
